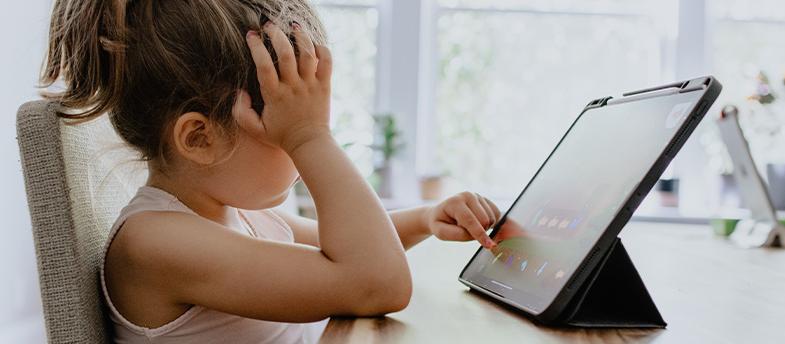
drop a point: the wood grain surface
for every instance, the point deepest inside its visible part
(708, 291)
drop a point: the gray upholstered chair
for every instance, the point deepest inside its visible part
(78, 177)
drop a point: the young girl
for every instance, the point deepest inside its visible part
(228, 102)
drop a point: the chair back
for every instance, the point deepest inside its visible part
(77, 178)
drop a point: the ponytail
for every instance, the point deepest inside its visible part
(87, 48)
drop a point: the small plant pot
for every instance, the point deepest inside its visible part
(384, 181)
(431, 188)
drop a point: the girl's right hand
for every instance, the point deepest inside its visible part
(297, 97)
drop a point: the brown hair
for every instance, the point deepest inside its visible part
(145, 62)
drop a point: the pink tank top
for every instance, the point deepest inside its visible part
(200, 324)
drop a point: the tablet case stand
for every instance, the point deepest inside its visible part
(613, 296)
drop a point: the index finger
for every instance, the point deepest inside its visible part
(265, 69)
(466, 219)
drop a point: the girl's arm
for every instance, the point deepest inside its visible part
(360, 267)
(462, 217)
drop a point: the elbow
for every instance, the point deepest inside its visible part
(383, 295)
(398, 300)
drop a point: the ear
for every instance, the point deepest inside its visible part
(195, 138)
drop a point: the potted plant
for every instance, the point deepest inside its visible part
(387, 145)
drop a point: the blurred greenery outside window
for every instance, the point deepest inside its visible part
(352, 30)
(749, 58)
(513, 75)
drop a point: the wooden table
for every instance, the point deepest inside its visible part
(706, 289)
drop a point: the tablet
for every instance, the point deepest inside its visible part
(762, 228)
(571, 211)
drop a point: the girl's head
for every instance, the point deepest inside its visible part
(167, 74)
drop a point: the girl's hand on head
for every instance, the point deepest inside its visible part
(462, 217)
(296, 97)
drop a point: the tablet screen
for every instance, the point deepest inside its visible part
(575, 196)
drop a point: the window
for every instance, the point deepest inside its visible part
(351, 30)
(485, 88)
(512, 76)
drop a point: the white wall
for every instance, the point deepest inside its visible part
(23, 28)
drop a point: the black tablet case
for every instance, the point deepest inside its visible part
(613, 296)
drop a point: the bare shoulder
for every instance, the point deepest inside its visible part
(141, 240)
(162, 245)
(147, 259)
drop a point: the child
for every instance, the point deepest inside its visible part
(227, 124)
